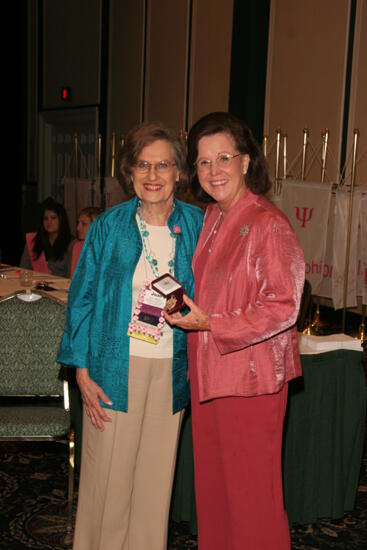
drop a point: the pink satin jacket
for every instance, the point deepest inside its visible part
(251, 286)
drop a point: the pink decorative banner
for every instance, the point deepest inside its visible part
(307, 206)
(342, 200)
(320, 220)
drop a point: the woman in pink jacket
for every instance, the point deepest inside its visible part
(249, 276)
(49, 249)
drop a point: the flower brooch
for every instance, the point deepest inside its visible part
(176, 230)
(244, 230)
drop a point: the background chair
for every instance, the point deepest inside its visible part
(34, 396)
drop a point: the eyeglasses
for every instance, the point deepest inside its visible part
(223, 160)
(161, 167)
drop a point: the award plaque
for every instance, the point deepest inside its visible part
(172, 290)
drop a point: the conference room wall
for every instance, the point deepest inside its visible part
(125, 69)
(358, 93)
(166, 67)
(210, 57)
(168, 61)
(71, 52)
(305, 76)
(307, 57)
(165, 60)
(183, 70)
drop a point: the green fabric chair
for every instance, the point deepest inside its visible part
(34, 396)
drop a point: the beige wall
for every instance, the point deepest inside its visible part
(71, 51)
(167, 62)
(125, 70)
(166, 85)
(150, 76)
(306, 76)
(358, 95)
(210, 57)
(171, 63)
(179, 69)
(176, 88)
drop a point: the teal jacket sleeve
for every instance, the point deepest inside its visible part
(74, 347)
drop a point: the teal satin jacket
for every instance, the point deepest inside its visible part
(100, 300)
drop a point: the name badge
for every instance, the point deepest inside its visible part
(147, 320)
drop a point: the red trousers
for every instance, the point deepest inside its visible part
(238, 474)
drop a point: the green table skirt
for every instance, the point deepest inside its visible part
(323, 442)
(324, 436)
(183, 506)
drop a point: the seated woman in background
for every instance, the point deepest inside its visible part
(85, 218)
(49, 249)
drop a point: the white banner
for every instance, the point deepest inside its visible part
(78, 194)
(273, 198)
(342, 200)
(307, 206)
(325, 289)
(114, 193)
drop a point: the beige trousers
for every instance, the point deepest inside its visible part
(127, 470)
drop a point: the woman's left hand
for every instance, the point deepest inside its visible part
(196, 319)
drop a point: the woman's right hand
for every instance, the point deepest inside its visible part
(196, 319)
(91, 393)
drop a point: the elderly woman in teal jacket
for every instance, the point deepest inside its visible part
(131, 366)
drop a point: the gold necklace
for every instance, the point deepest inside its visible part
(215, 230)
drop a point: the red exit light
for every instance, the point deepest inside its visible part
(66, 93)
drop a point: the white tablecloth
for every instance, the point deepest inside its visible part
(9, 284)
(309, 344)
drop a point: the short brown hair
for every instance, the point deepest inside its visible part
(91, 211)
(139, 137)
(257, 177)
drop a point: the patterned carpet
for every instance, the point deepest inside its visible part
(33, 484)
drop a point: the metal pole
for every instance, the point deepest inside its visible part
(284, 156)
(304, 152)
(277, 158)
(325, 137)
(350, 214)
(182, 134)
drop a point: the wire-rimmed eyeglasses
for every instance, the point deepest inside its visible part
(161, 167)
(223, 160)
